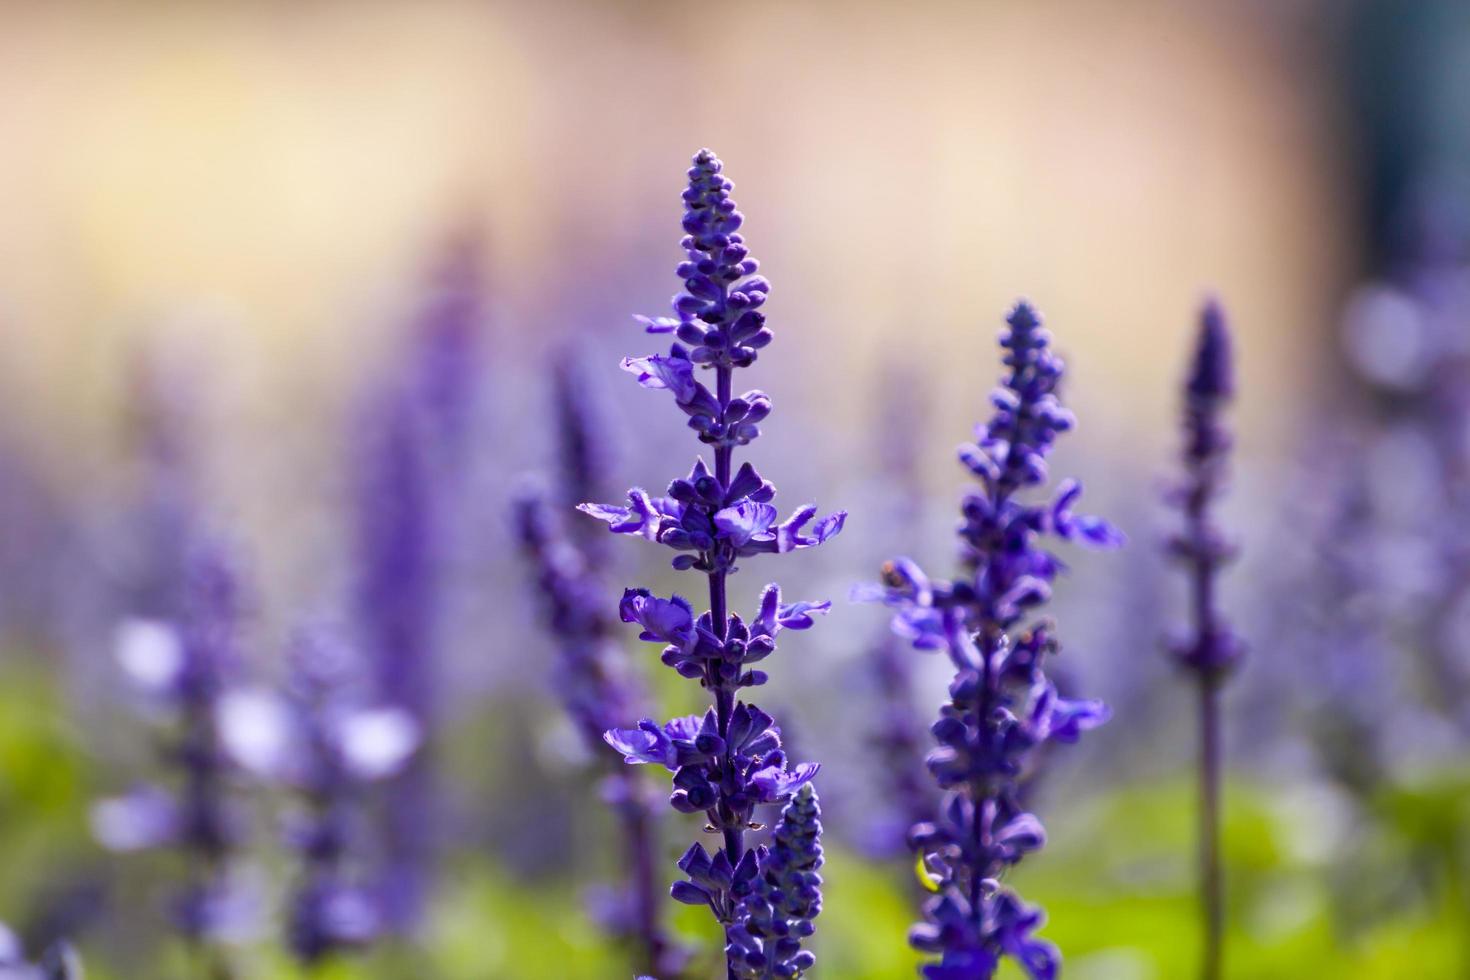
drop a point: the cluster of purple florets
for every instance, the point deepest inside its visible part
(1002, 706)
(730, 760)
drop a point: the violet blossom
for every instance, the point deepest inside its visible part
(397, 601)
(1211, 650)
(186, 668)
(1002, 707)
(898, 734)
(323, 739)
(591, 674)
(729, 760)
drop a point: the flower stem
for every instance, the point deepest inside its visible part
(724, 697)
(646, 897)
(1211, 879)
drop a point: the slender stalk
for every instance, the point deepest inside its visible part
(1212, 891)
(1211, 650)
(718, 603)
(638, 831)
(1204, 566)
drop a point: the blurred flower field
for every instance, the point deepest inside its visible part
(1118, 885)
(394, 581)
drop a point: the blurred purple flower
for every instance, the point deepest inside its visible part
(410, 468)
(322, 739)
(591, 674)
(187, 669)
(1211, 650)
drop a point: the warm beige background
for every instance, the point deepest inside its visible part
(266, 178)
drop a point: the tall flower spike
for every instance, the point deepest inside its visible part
(397, 605)
(590, 673)
(1211, 650)
(729, 761)
(1002, 707)
(898, 734)
(335, 747)
(187, 667)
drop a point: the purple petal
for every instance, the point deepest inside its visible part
(775, 783)
(664, 371)
(668, 621)
(767, 620)
(657, 324)
(744, 521)
(829, 526)
(1069, 719)
(684, 727)
(798, 615)
(643, 515)
(642, 745)
(788, 535)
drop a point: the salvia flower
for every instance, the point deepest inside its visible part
(590, 673)
(398, 594)
(1002, 706)
(897, 732)
(1211, 650)
(322, 740)
(186, 668)
(728, 761)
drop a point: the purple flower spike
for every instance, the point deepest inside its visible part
(1002, 707)
(187, 668)
(730, 761)
(1212, 649)
(590, 672)
(336, 745)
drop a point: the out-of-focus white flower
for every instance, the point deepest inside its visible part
(146, 817)
(377, 742)
(150, 652)
(256, 728)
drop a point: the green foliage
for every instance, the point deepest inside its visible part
(1117, 880)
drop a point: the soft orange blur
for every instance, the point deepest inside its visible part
(265, 178)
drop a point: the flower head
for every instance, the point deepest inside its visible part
(1002, 707)
(729, 761)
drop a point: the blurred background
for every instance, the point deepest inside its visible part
(294, 279)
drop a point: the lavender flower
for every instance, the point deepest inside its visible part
(591, 680)
(582, 450)
(187, 667)
(446, 342)
(1002, 707)
(728, 761)
(320, 739)
(897, 736)
(1212, 650)
(397, 603)
(598, 692)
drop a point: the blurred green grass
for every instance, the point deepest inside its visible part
(1377, 893)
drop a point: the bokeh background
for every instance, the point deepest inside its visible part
(230, 231)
